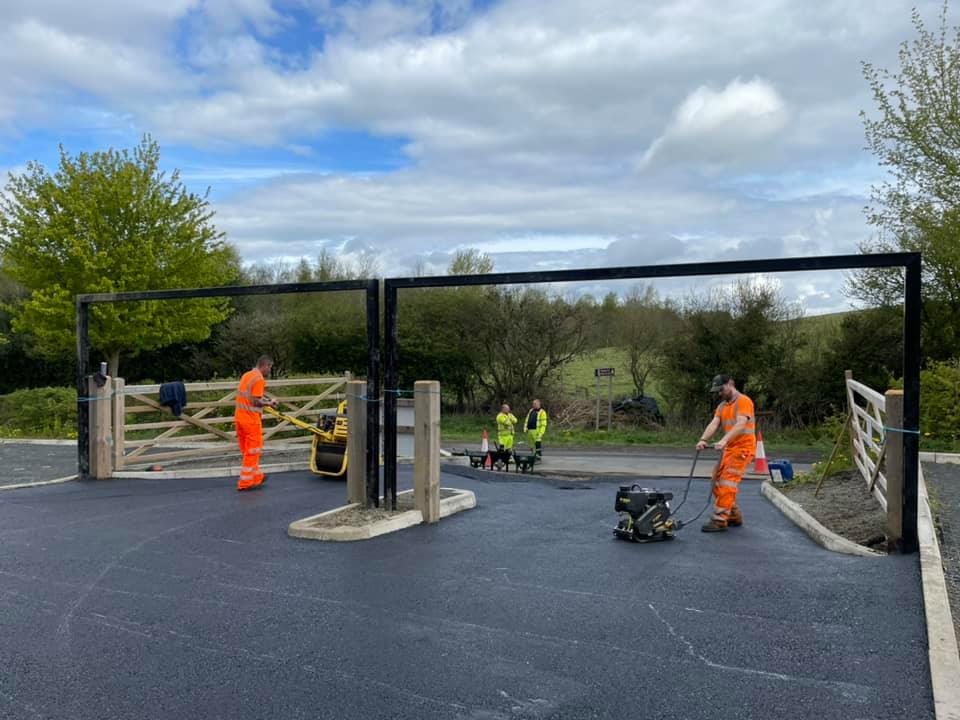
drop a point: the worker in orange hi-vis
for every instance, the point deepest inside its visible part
(248, 417)
(735, 416)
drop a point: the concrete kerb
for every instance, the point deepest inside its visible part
(200, 473)
(40, 483)
(817, 532)
(940, 457)
(306, 528)
(941, 636)
(36, 441)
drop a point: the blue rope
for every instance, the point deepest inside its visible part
(901, 430)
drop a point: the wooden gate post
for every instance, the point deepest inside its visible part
(356, 441)
(101, 430)
(426, 443)
(893, 440)
(119, 418)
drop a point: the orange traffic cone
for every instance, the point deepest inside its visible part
(760, 466)
(485, 448)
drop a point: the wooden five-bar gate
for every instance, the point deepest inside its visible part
(205, 426)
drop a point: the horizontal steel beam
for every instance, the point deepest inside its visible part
(227, 291)
(732, 267)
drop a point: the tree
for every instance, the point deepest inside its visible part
(645, 323)
(111, 221)
(917, 138)
(747, 331)
(525, 337)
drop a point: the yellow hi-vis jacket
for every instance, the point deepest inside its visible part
(541, 428)
(505, 424)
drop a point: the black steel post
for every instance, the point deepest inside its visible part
(390, 381)
(83, 407)
(912, 304)
(373, 393)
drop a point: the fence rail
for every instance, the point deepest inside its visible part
(206, 419)
(867, 418)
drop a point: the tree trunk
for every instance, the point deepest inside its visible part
(114, 361)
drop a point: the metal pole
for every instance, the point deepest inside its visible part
(391, 381)
(83, 407)
(912, 304)
(609, 402)
(373, 394)
(597, 424)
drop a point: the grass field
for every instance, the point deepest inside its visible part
(578, 381)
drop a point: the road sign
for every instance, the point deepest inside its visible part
(608, 373)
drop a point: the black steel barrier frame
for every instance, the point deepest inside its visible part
(910, 262)
(370, 287)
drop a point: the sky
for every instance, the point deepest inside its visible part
(550, 135)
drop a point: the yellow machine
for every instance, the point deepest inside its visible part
(328, 452)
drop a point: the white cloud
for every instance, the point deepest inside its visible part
(729, 125)
(525, 122)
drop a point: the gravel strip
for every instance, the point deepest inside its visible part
(844, 506)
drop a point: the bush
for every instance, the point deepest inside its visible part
(940, 400)
(39, 412)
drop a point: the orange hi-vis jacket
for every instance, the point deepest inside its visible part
(728, 412)
(251, 386)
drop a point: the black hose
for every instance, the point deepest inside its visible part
(686, 490)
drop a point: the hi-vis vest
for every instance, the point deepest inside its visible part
(728, 412)
(541, 422)
(251, 386)
(505, 423)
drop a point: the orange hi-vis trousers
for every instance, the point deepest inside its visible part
(726, 482)
(250, 439)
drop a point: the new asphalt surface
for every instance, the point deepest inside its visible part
(24, 462)
(185, 599)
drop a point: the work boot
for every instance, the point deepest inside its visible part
(736, 518)
(714, 526)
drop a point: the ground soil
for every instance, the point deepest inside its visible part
(844, 506)
(358, 516)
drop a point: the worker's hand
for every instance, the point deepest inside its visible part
(274, 403)
(720, 445)
(702, 445)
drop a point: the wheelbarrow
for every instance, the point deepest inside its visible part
(499, 458)
(524, 460)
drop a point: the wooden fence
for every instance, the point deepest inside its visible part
(204, 427)
(867, 418)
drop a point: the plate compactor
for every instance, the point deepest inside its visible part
(646, 514)
(328, 451)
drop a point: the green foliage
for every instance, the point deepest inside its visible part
(917, 138)
(748, 332)
(471, 262)
(111, 222)
(867, 342)
(940, 401)
(40, 412)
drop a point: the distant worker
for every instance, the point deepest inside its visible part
(248, 416)
(506, 422)
(536, 425)
(735, 415)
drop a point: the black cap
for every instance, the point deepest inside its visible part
(718, 382)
